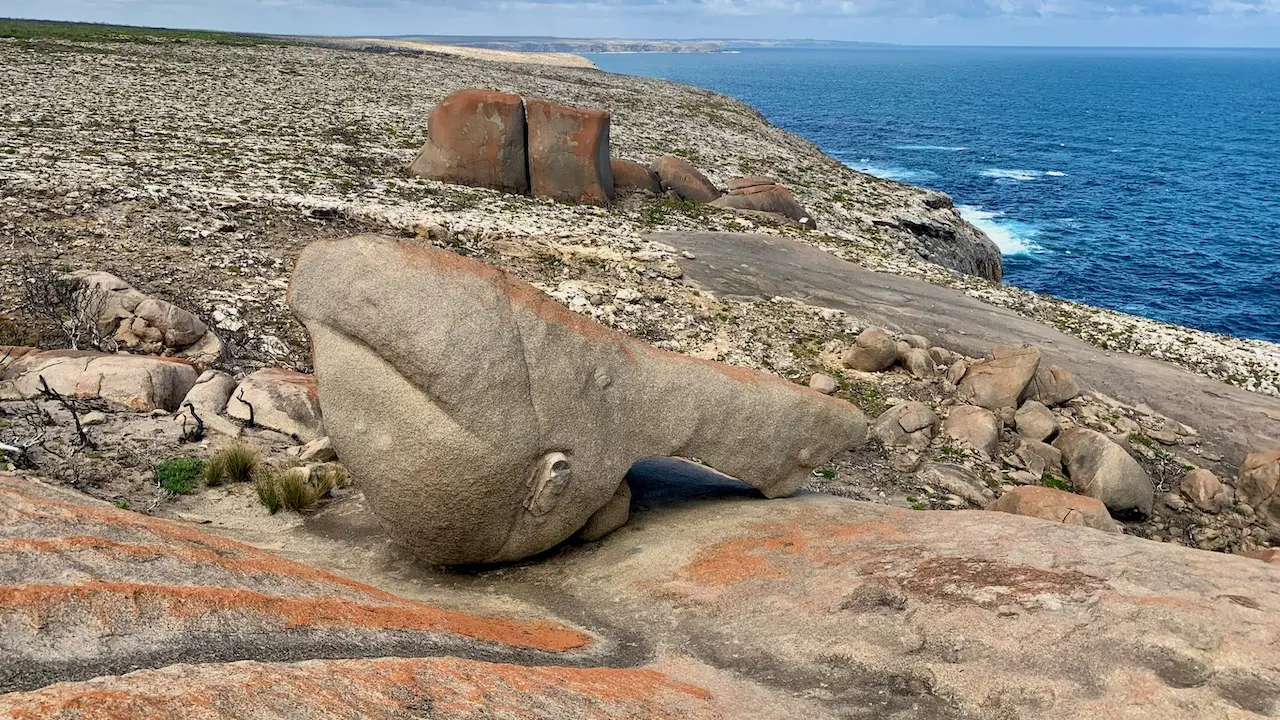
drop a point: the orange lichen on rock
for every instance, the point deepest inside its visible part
(384, 688)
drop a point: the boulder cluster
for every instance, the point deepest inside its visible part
(485, 138)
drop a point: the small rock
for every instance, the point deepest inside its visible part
(919, 365)
(942, 357)
(954, 479)
(1164, 437)
(974, 426)
(909, 425)
(1055, 506)
(917, 341)
(93, 418)
(1204, 489)
(873, 351)
(824, 384)
(1052, 385)
(1034, 421)
(957, 371)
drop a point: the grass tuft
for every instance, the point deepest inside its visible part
(298, 489)
(180, 476)
(235, 463)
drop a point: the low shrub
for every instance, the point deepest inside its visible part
(235, 463)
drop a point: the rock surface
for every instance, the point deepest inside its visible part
(976, 427)
(1055, 506)
(1204, 489)
(477, 138)
(629, 176)
(767, 198)
(280, 400)
(1260, 484)
(999, 382)
(1052, 385)
(494, 427)
(873, 351)
(1034, 421)
(569, 153)
(683, 179)
(1102, 469)
(910, 425)
(138, 382)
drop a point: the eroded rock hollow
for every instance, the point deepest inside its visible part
(488, 423)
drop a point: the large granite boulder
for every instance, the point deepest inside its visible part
(776, 199)
(1101, 469)
(280, 400)
(629, 176)
(477, 138)
(569, 153)
(872, 351)
(1052, 385)
(682, 178)
(1260, 484)
(1000, 381)
(911, 425)
(138, 382)
(975, 427)
(1055, 506)
(485, 422)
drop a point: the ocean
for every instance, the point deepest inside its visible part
(1146, 181)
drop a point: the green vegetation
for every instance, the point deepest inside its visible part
(660, 211)
(94, 32)
(869, 397)
(122, 504)
(825, 473)
(297, 488)
(1050, 481)
(916, 504)
(235, 463)
(180, 476)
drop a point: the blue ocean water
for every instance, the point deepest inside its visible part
(1147, 181)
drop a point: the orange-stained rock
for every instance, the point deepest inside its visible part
(759, 197)
(281, 400)
(683, 179)
(88, 586)
(477, 138)
(569, 153)
(388, 689)
(1270, 555)
(1260, 484)
(138, 382)
(1055, 506)
(631, 176)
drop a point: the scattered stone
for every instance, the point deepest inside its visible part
(1052, 385)
(631, 176)
(942, 357)
(569, 153)
(957, 371)
(470, 428)
(974, 426)
(1055, 506)
(1000, 382)
(1101, 469)
(910, 425)
(280, 400)
(954, 479)
(742, 183)
(1038, 458)
(1204, 489)
(320, 450)
(919, 365)
(824, 384)
(138, 382)
(873, 351)
(1163, 436)
(1035, 421)
(916, 341)
(1259, 478)
(683, 179)
(477, 138)
(93, 418)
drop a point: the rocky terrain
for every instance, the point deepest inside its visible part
(196, 174)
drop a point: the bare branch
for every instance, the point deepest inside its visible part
(85, 440)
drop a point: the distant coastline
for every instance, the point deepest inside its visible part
(625, 45)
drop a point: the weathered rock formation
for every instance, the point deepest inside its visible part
(477, 138)
(1260, 484)
(1102, 469)
(679, 176)
(631, 176)
(486, 422)
(1055, 506)
(762, 195)
(569, 153)
(872, 351)
(1000, 381)
(138, 382)
(280, 400)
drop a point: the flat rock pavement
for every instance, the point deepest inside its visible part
(1233, 421)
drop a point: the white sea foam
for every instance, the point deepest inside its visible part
(1020, 175)
(1011, 236)
(892, 172)
(935, 148)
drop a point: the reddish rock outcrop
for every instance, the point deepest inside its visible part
(281, 400)
(683, 179)
(757, 196)
(477, 138)
(569, 153)
(1055, 506)
(631, 176)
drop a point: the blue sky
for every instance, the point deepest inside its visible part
(1250, 23)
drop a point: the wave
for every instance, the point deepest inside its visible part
(936, 148)
(1011, 236)
(1020, 175)
(892, 172)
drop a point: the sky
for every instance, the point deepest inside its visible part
(1200, 23)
